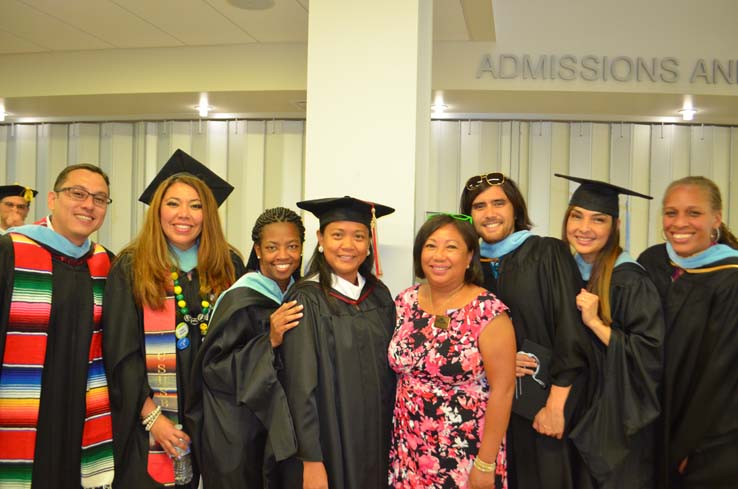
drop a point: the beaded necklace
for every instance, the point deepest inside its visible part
(201, 321)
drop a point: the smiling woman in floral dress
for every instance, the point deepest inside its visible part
(454, 352)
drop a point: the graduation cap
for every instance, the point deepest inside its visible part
(598, 196)
(345, 209)
(16, 190)
(349, 209)
(181, 162)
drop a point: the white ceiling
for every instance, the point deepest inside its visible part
(53, 26)
(33, 26)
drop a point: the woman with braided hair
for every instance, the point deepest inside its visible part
(242, 425)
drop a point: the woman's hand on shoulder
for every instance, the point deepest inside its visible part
(169, 437)
(286, 317)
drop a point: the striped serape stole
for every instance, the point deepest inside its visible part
(161, 368)
(23, 364)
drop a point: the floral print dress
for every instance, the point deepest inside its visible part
(442, 394)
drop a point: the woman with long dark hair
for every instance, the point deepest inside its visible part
(696, 274)
(338, 382)
(621, 307)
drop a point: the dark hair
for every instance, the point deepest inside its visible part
(716, 203)
(62, 177)
(474, 273)
(272, 216)
(599, 280)
(512, 192)
(319, 265)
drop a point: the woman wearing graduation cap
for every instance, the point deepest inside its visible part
(15, 202)
(696, 274)
(621, 307)
(161, 289)
(338, 382)
(240, 417)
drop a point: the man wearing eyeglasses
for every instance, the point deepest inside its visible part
(15, 201)
(537, 279)
(55, 426)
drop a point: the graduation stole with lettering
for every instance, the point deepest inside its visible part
(23, 365)
(161, 369)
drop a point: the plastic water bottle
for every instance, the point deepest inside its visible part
(182, 464)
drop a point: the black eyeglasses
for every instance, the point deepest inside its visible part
(20, 207)
(494, 178)
(80, 195)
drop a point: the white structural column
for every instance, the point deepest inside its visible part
(368, 114)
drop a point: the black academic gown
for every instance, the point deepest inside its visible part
(339, 385)
(539, 282)
(700, 384)
(64, 380)
(125, 365)
(239, 418)
(616, 434)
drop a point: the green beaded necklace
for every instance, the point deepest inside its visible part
(201, 320)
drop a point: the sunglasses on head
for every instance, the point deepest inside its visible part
(458, 217)
(494, 178)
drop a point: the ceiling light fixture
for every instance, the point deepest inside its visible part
(438, 108)
(688, 113)
(203, 108)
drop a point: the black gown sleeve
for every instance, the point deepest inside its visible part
(627, 400)
(571, 341)
(125, 367)
(300, 376)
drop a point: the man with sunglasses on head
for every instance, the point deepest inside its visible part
(55, 427)
(15, 202)
(537, 278)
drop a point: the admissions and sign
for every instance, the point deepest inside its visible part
(594, 68)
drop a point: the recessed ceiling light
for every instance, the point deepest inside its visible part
(688, 114)
(438, 108)
(203, 109)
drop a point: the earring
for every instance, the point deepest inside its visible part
(258, 257)
(368, 252)
(717, 235)
(320, 248)
(467, 267)
(663, 235)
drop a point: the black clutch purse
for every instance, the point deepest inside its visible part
(531, 391)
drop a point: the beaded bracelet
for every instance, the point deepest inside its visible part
(149, 420)
(152, 413)
(150, 424)
(483, 466)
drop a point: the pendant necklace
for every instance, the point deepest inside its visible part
(441, 321)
